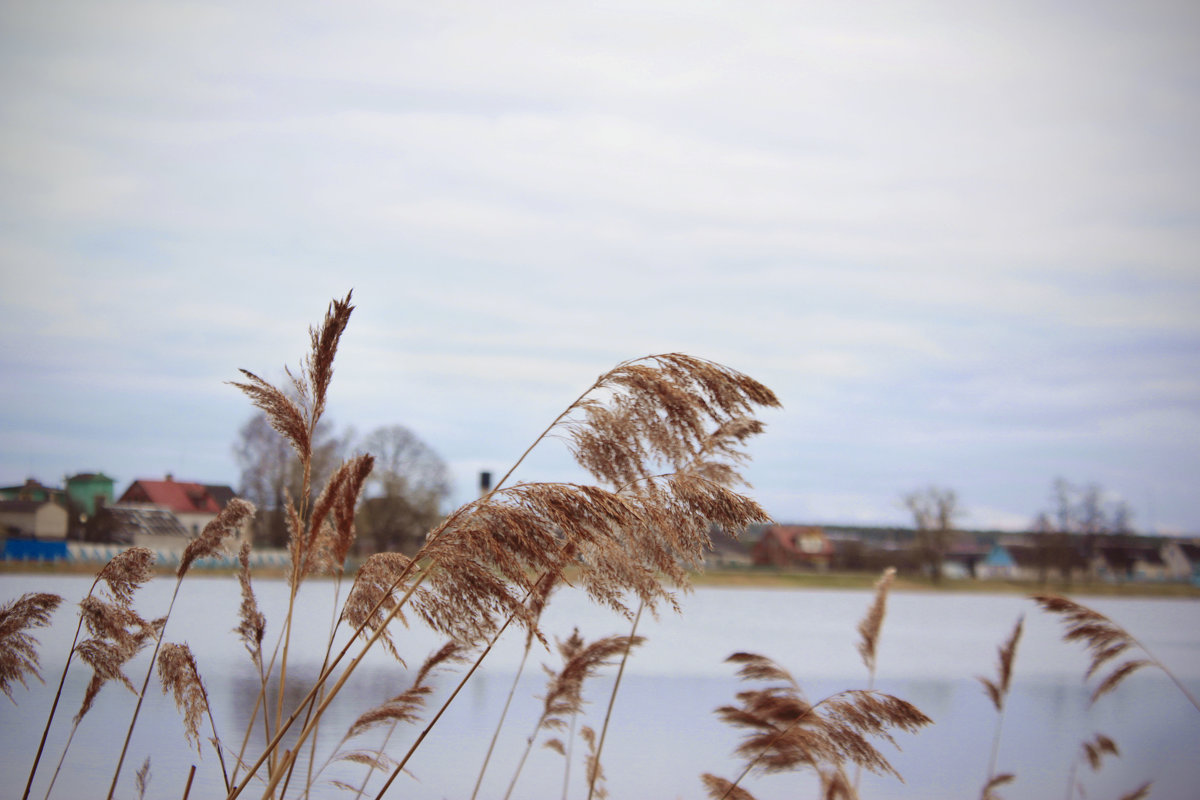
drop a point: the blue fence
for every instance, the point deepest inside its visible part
(34, 550)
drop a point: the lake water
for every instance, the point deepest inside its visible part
(664, 733)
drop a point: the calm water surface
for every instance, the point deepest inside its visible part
(664, 733)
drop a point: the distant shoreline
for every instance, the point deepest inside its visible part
(760, 579)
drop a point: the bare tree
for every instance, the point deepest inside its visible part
(404, 495)
(934, 511)
(1079, 521)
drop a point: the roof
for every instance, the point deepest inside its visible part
(182, 497)
(123, 520)
(89, 476)
(24, 506)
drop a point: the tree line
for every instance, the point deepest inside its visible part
(1066, 533)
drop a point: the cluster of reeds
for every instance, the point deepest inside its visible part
(663, 438)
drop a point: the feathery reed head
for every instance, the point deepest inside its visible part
(286, 416)
(252, 623)
(659, 413)
(142, 779)
(18, 649)
(719, 788)
(1103, 639)
(871, 624)
(324, 344)
(787, 733)
(331, 526)
(373, 596)
(211, 540)
(178, 674)
(127, 571)
(406, 706)
(564, 691)
(997, 690)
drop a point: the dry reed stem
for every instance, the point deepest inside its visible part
(629, 642)
(997, 692)
(564, 690)
(537, 604)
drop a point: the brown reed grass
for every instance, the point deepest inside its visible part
(786, 733)
(1104, 640)
(18, 647)
(997, 691)
(564, 690)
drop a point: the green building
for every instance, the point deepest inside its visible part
(88, 492)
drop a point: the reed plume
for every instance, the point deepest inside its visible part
(252, 623)
(142, 779)
(404, 708)
(1104, 640)
(210, 542)
(122, 576)
(664, 432)
(178, 674)
(868, 631)
(18, 648)
(564, 690)
(786, 732)
(997, 691)
(872, 623)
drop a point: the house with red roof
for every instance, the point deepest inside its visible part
(793, 546)
(193, 504)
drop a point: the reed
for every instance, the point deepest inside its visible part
(997, 691)
(787, 733)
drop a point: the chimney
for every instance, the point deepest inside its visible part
(485, 483)
(170, 477)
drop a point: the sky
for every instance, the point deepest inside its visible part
(960, 241)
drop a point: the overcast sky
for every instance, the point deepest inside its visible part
(960, 241)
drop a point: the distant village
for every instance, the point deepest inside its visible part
(85, 521)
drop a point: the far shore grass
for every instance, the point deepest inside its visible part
(760, 578)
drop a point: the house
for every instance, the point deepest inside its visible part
(1009, 561)
(1182, 561)
(1135, 562)
(33, 519)
(195, 504)
(140, 525)
(793, 546)
(33, 489)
